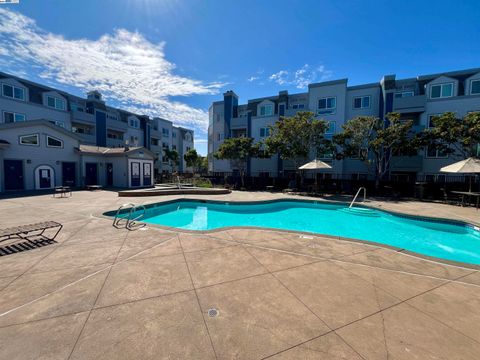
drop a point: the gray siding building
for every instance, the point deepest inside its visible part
(64, 129)
(417, 99)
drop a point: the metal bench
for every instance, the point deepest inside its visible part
(25, 232)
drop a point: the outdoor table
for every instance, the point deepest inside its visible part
(469, 194)
(63, 191)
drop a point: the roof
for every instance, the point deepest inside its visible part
(42, 122)
(117, 151)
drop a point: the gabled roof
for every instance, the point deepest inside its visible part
(117, 151)
(41, 122)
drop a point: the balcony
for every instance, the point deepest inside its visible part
(238, 123)
(407, 163)
(117, 125)
(410, 104)
(83, 117)
(88, 139)
(115, 142)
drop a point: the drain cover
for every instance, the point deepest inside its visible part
(212, 312)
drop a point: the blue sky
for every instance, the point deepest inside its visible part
(174, 57)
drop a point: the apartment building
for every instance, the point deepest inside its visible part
(42, 128)
(418, 99)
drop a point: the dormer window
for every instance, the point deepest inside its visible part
(266, 110)
(441, 91)
(134, 123)
(327, 105)
(475, 87)
(56, 103)
(13, 92)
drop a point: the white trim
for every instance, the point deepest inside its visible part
(21, 136)
(361, 97)
(324, 111)
(471, 86)
(55, 99)
(13, 89)
(54, 138)
(14, 113)
(441, 86)
(37, 177)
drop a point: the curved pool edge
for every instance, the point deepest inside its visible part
(110, 213)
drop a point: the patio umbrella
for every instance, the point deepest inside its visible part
(315, 165)
(467, 166)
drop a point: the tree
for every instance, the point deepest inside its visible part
(192, 159)
(449, 135)
(238, 151)
(172, 156)
(294, 138)
(376, 143)
(203, 164)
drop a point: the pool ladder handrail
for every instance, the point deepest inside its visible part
(130, 221)
(356, 195)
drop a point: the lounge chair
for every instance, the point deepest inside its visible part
(25, 232)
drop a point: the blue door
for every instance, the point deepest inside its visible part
(135, 174)
(68, 173)
(13, 170)
(147, 174)
(91, 177)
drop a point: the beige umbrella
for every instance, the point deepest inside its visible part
(315, 165)
(467, 166)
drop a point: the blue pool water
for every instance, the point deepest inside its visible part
(451, 241)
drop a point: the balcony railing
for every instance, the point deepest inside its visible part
(409, 104)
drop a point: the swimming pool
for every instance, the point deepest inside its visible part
(442, 239)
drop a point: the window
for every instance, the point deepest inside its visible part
(174, 134)
(441, 91)
(219, 136)
(165, 146)
(264, 132)
(53, 142)
(433, 152)
(82, 129)
(475, 87)
(165, 132)
(430, 119)
(174, 147)
(298, 106)
(403, 94)
(361, 102)
(327, 105)
(112, 117)
(31, 140)
(13, 92)
(134, 122)
(266, 110)
(331, 127)
(55, 103)
(10, 117)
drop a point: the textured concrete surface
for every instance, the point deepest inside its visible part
(106, 293)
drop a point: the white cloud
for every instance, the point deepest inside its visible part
(300, 78)
(253, 78)
(124, 66)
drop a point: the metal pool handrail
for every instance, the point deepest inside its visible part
(356, 195)
(130, 221)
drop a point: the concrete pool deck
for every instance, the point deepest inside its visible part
(106, 293)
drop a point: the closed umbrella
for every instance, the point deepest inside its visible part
(467, 166)
(315, 165)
